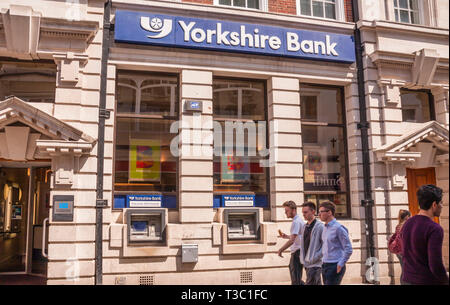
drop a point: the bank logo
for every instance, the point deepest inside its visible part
(156, 25)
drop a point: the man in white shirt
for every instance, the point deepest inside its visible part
(294, 241)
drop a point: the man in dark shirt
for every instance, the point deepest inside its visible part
(422, 241)
(307, 234)
(311, 247)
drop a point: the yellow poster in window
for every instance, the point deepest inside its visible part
(145, 160)
(314, 162)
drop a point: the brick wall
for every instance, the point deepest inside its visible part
(283, 6)
(348, 10)
(211, 2)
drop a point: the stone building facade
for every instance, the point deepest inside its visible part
(204, 216)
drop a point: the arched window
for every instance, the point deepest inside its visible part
(147, 95)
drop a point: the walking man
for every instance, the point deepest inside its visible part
(336, 248)
(422, 241)
(295, 267)
(311, 247)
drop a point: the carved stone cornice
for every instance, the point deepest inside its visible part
(39, 135)
(398, 151)
(24, 29)
(60, 28)
(400, 60)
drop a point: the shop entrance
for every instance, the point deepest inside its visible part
(417, 178)
(24, 211)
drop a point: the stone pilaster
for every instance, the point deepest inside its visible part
(196, 149)
(286, 158)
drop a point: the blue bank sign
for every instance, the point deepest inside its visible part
(184, 32)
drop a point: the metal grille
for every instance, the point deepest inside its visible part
(147, 280)
(246, 277)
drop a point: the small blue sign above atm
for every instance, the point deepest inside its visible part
(144, 201)
(238, 200)
(184, 32)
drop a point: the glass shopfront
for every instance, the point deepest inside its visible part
(147, 105)
(324, 147)
(240, 127)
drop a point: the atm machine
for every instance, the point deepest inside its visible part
(241, 217)
(146, 220)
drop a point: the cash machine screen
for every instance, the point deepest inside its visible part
(139, 227)
(242, 226)
(145, 228)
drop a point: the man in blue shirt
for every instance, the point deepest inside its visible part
(336, 248)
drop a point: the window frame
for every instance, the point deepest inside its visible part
(340, 94)
(149, 117)
(266, 116)
(426, 15)
(263, 6)
(339, 11)
(430, 103)
(409, 10)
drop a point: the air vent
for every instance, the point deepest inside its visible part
(246, 277)
(147, 280)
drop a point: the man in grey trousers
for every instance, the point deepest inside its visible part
(311, 245)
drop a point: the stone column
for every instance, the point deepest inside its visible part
(286, 158)
(196, 148)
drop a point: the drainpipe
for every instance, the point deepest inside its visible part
(363, 125)
(103, 115)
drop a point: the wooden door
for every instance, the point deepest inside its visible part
(417, 178)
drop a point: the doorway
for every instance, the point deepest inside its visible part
(416, 178)
(24, 205)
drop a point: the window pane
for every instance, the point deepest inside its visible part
(30, 91)
(305, 7)
(239, 170)
(403, 3)
(253, 4)
(308, 108)
(326, 101)
(413, 5)
(237, 158)
(253, 103)
(143, 161)
(404, 16)
(225, 2)
(415, 106)
(324, 163)
(239, 99)
(225, 102)
(396, 16)
(240, 3)
(309, 134)
(339, 199)
(126, 96)
(317, 9)
(330, 11)
(159, 96)
(395, 3)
